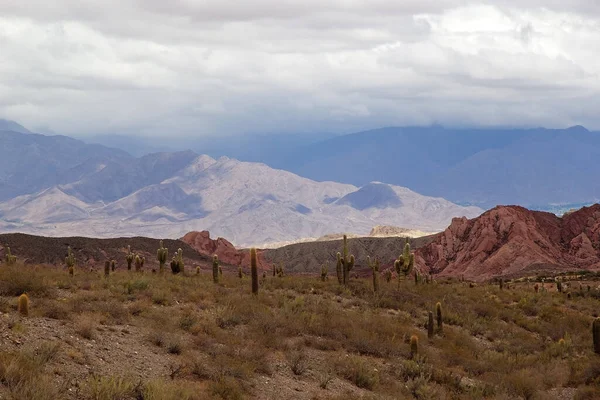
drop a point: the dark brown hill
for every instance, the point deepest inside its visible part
(309, 257)
(512, 241)
(91, 252)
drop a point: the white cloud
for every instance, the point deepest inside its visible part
(207, 67)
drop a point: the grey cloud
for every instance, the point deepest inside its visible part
(207, 67)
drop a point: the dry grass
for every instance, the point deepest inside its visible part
(195, 340)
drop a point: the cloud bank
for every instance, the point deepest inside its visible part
(210, 67)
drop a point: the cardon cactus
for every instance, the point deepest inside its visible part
(177, 262)
(347, 263)
(23, 305)
(70, 260)
(130, 257)
(596, 335)
(338, 269)
(254, 270)
(279, 270)
(414, 346)
(106, 268)
(162, 254)
(375, 268)
(113, 265)
(405, 263)
(388, 275)
(324, 272)
(9, 259)
(241, 272)
(139, 263)
(215, 269)
(430, 325)
(440, 319)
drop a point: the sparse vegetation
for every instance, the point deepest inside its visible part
(9, 258)
(215, 269)
(178, 336)
(254, 270)
(162, 255)
(177, 265)
(345, 262)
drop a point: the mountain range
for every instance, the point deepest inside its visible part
(546, 169)
(59, 186)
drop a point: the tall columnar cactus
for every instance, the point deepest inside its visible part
(338, 269)
(106, 268)
(177, 265)
(324, 272)
(23, 305)
(254, 270)
(279, 270)
(130, 257)
(162, 254)
(375, 268)
(388, 275)
(274, 270)
(139, 263)
(346, 263)
(70, 260)
(417, 278)
(596, 335)
(559, 286)
(414, 346)
(9, 258)
(215, 269)
(440, 319)
(241, 272)
(405, 263)
(113, 265)
(430, 325)
(501, 283)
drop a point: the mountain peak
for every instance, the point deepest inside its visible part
(577, 128)
(12, 126)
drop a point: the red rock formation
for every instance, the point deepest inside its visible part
(203, 244)
(227, 253)
(509, 240)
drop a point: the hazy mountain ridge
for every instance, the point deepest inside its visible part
(111, 193)
(485, 167)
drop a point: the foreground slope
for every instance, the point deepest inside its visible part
(145, 336)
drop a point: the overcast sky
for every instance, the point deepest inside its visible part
(202, 67)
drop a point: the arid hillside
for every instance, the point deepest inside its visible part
(92, 252)
(138, 335)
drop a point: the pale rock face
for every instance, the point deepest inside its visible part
(247, 203)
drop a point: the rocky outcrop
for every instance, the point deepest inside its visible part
(512, 240)
(227, 253)
(391, 231)
(203, 244)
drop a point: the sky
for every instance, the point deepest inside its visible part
(210, 67)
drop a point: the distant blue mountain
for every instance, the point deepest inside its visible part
(484, 167)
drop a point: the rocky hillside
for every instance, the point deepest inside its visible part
(512, 240)
(91, 252)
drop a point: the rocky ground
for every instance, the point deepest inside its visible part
(146, 336)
